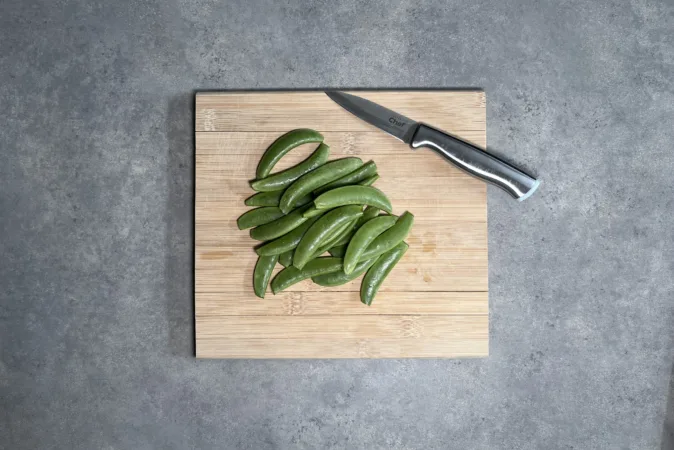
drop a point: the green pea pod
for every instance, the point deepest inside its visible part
(370, 213)
(286, 242)
(390, 238)
(273, 199)
(258, 216)
(376, 275)
(369, 181)
(365, 171)
(353, 195)
(317, 178)
(282, 180)
(338, 251)
(339, 278)
(336, 237)
(292, 275)
(324, 227)
(280, 226)
(286, 258)
(362, 239)
(262, 273)
(264, 199)
(283, 145)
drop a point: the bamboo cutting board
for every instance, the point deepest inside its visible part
(433, 304)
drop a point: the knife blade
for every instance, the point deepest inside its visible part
(466, 156)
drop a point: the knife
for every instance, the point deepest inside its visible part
(466, 156)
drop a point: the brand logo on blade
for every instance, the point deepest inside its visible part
(396, 122)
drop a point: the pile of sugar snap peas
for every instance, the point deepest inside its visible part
(321, 206)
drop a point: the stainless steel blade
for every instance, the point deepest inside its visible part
(395, 124)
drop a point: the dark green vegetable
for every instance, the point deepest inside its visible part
(291, 275)
(286, 258)
(336, 238)
(262, 273)
(370, 213)
(273, 199)
(286, 242)
(338, 251)
(379, 271)
(280, 226)
(283, 145)
(338, 278)
(353, 195)
(365, 171)
(264, 199)
(369, 181)
(324, 227)
(317, 178)
(258, 216)
(390, 238)
(362, 239)
(281, 180)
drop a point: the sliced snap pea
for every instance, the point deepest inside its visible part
(291, 275)
(262, 273)
(390, 238)
(317, 178)
(363, 172)
(324, 227)
(258, 216)
(280, 226)
(338, 251)
(370, 213)
(353, 195)
(339, 278)
(286, 242)
(369, 181)
(282, 180)
(283, 145)
(362, 239)
(376, 275)
(286, 258)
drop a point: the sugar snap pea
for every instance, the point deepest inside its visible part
(258, 216)
(338, 278)
(286, 242)
(369, 181)
(283, 145)
(291, 275)
(281, 180)
(273, 199)
(376, 275)
(365, 171)
(264, 199)
(262, 273)
(286, 258)
(336, 238)
(317, 178)
(321, 230)
(370, 213)
(362, 239)
(338, 251)
(353, 195)
(390, 238)
(280, 226)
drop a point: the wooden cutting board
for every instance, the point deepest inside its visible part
(434, 303)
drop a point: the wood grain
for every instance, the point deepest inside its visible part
(434, 303)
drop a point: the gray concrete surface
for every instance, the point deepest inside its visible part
(96, 164)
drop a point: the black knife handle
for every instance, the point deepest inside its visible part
(476, 162)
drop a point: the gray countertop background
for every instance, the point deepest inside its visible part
(96, 166)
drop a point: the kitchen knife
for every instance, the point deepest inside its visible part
(464, 155)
